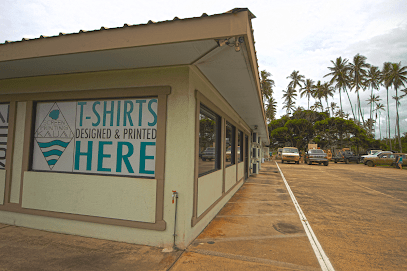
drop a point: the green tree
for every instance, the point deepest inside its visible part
(334, 106)
(358, 74)
(307, 90)
(373, 82)
(266, 85)
(327, 91)
(386, 82)
(319, 93)
(317, 105)
(340, 76)
(296, 79)
(379, 107)
(289, 96)
(271, 109)
(372, 101)
(398, 78)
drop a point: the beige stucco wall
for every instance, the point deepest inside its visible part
(18, 153)
(103, 196)
(209, 190)
(2, 185)
(240, 170)
(230, 177)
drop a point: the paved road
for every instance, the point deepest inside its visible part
(358, 213)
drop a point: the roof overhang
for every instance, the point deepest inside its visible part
(220, 46)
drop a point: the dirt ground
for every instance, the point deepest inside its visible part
(358, 213)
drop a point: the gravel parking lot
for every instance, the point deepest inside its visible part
(358, 213)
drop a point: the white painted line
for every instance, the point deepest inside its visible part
(316, 246)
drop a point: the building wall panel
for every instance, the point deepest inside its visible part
(230, 177)
(104, 196)
(209, 190)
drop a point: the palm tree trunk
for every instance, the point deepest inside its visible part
(398, 121)
(388, 116)
(340, 99)
(360, 109)
(350, 104)
(380, 130)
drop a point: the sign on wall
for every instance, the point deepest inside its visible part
(102, 136)
(4, 115)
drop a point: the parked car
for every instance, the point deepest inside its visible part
(364, 158)
(279, 151)
(316, 156)
(373, 152)
(229, 153)
(290, 154)
(346, 156)
(208, 154)
(382, 159)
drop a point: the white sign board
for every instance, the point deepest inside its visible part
(4, 111)
(102, 136)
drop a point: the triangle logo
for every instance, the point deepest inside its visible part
(53, 135)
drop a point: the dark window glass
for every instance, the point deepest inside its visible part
(230, 144)
(240, 146)
(209, 130)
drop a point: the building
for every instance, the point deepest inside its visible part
(100, 128)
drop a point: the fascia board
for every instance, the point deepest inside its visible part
(225, 25)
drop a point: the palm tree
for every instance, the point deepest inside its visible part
(308, 89)
(289, 97)
(358, 74)
(317, 105)
(266, 85)
(271, 109)
(340, 76)
(373, 81)
(398, 78)
(385, 81)
(318, 93)
(371, 101)
(334, 106)
(296, 79)
(327, 91)
(379, 107)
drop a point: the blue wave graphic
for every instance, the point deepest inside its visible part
(53, 149)
(53, 143)
(52, 152)
(52, 162)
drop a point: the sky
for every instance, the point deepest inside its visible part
(290, 35)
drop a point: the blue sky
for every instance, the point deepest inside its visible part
(290, 35)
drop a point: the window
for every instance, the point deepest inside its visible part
(230, 144)
(115, 137)
(254, 138)
(209, 141)
(240, 146)
(4, 111)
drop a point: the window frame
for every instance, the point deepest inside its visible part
(240, 142)
(218, 135)
(232, 144)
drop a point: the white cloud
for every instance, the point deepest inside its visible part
(290, 35)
